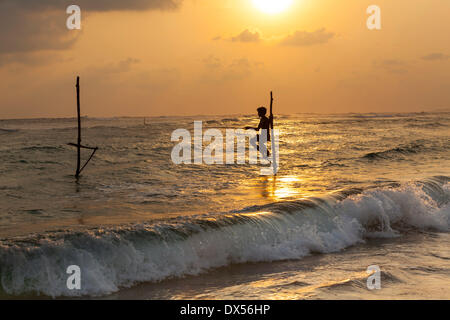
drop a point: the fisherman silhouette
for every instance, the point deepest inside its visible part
(264, 125)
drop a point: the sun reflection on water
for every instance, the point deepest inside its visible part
(282, 188)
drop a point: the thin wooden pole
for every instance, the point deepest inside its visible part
(273, 140)
(77, 174)
(271, 113)
(78, 145)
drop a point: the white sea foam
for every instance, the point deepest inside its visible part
(118, 257)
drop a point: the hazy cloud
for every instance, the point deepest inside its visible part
(28, 26)
(392, 65)
(436, 57)
(219, 70)
(305, 38)
(92, 5)
(117, 67)
(25, 32)
(212, 62)
(247, 36)
(157, 79)
(130, 74)
(31, 60)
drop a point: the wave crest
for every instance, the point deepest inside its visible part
(122, 256)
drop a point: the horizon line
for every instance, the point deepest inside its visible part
(444, 110)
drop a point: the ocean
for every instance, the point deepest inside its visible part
(352, 191)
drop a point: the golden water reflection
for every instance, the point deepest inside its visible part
(283, 188)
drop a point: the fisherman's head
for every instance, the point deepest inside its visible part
(261, 111)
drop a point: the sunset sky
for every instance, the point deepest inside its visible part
(190, 57)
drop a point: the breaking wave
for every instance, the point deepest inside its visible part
(117, 257)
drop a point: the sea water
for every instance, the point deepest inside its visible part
(353, 190)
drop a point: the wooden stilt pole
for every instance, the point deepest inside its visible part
(273, 140)
(78, 145)
(271, 113)
(77, 174)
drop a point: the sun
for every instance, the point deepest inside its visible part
(272, 6)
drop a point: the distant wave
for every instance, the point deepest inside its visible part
(212, 121)
(117, 257)
(42, 148)
(4, 131)
(230, 119)
(427, 125)
(395, 152)
(376, 115)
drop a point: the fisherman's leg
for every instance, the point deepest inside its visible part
(254, 141)
(263, 143)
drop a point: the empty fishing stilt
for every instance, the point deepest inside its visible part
(78, 145)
